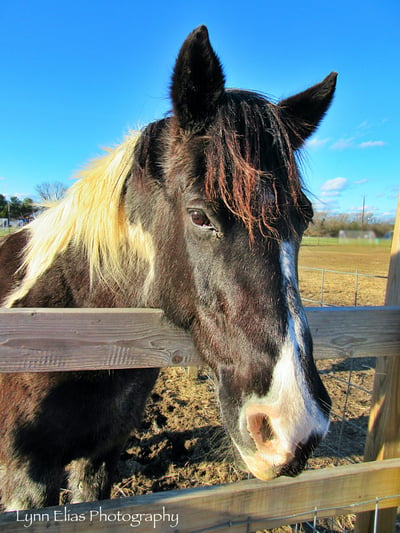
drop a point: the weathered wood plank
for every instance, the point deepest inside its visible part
(86, 339)
(245, 506)
(383, 440)
(340, 332)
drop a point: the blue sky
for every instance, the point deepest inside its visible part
(77, 75)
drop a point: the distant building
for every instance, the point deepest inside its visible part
(14, 222)
(359, 235)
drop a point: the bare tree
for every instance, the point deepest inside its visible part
(51, 190)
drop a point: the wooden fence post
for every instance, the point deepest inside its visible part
(383, 439)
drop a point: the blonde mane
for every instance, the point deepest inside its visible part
(92, 217)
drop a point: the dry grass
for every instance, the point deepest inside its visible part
(339, 288)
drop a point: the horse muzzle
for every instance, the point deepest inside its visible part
(281, 446)
(274, 462)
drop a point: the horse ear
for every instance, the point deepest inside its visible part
(197, 82)
(304, 111)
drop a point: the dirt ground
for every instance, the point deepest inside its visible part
(182, 443)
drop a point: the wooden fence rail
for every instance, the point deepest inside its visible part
(242, 507)
(39, 340)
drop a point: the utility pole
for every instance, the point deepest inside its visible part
(363, 213)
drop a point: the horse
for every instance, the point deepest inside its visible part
(200, 214)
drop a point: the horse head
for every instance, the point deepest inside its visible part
(228, 214)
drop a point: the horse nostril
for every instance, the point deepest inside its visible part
(265, 429)
(259, 428)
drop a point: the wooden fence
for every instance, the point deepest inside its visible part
(84, 339)
(70, 339)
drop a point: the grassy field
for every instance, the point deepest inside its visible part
(333, 241)
(344, 274)
(5, 231)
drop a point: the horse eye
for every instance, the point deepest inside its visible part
(199, 218)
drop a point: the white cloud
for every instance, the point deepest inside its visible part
(329, 204)
(341, 144)
(366, 208)
(360, 182)
(19, 195)
(371, 144)
(316, 143)
(335, 185)
(330, 193)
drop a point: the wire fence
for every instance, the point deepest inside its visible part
(337, 524)
(331, 525)
(349, 382)
(324, 287)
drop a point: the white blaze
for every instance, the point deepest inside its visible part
(301, 415)
(293, 413)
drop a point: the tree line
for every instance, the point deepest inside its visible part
(15, 208)
(324, 224)
(328, 225)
